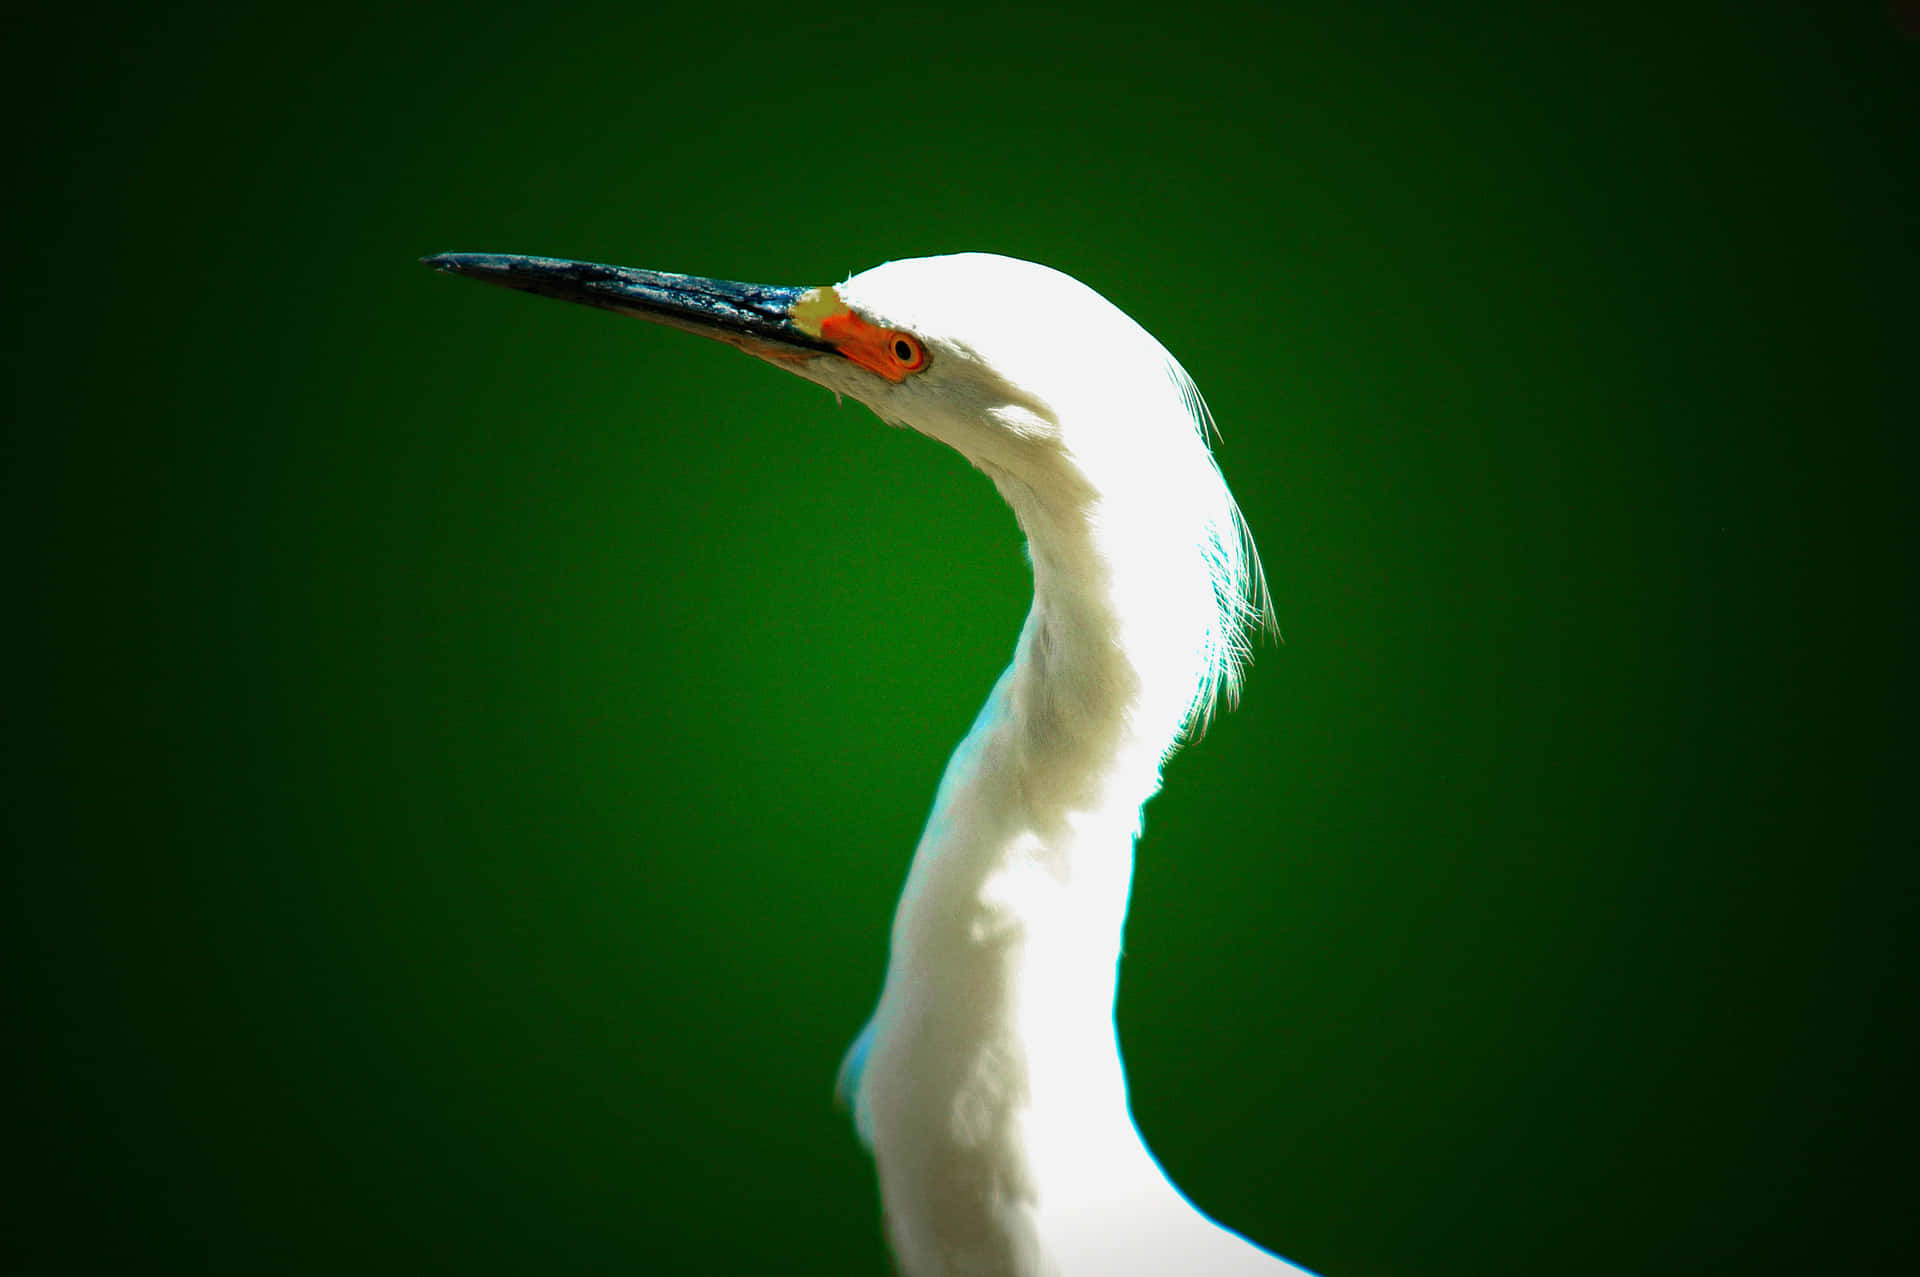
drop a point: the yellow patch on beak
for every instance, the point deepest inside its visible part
(815, 307)
(892, 354)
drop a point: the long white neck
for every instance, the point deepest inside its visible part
(1014, 906)
(992, 1092)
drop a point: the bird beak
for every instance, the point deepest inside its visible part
(758, 318)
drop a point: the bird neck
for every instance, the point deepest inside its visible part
(1070, 744)
(1116, 653)
(995, 1037)
(990, 1077)
(1008, 935)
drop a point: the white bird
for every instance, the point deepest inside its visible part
(988, 1083)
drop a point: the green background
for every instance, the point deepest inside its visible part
(465, 749)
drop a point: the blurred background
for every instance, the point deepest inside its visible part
(465, 749)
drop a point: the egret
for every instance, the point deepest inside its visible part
(988, 1083)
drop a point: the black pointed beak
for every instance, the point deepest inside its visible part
(756, 317)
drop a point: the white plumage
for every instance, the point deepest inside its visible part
(989, 1082)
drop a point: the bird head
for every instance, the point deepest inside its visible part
(1026, 371)
(1089, 428)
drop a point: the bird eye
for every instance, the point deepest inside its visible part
(908, 353)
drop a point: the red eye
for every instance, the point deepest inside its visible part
(908, 354)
